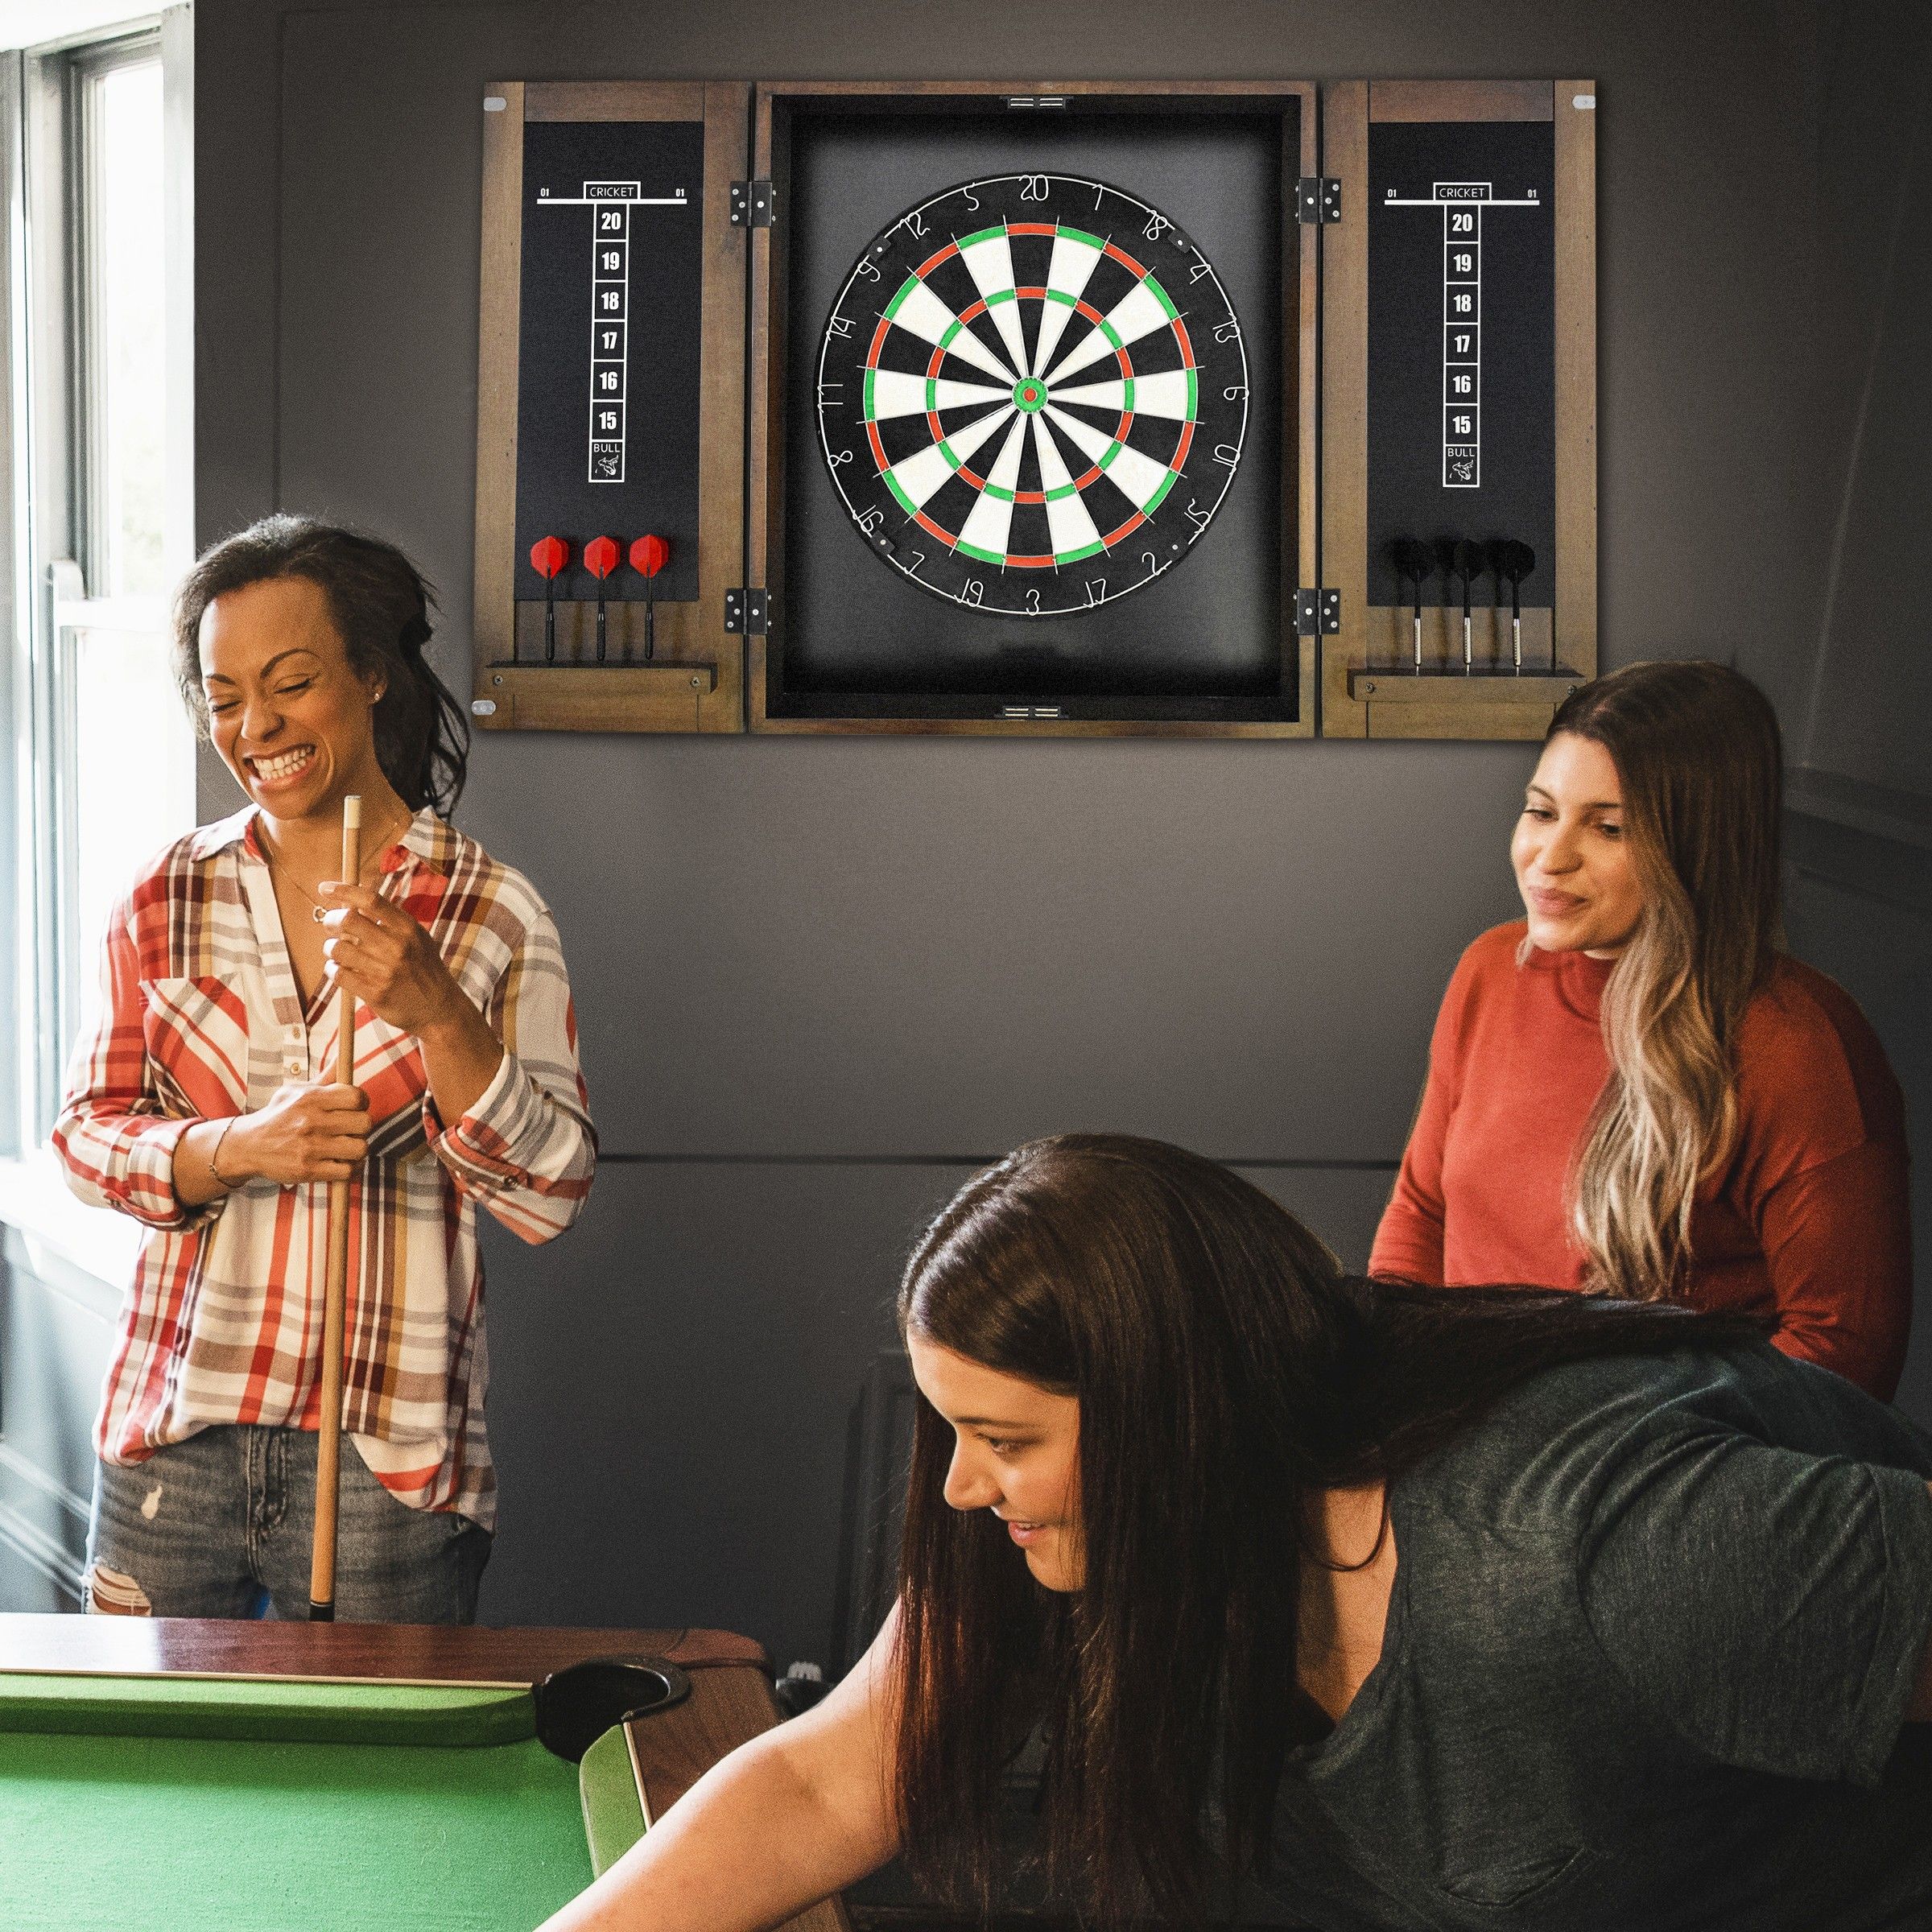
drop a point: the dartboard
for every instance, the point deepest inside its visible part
(1032, 395)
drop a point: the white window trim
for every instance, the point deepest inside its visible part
(41, 594)
(50, 24)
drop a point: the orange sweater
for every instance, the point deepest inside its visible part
(1807, 1220)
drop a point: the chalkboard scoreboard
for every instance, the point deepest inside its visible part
(612, 321)
(1462, 358)
(1191, 409)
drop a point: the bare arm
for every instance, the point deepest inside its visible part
(784, 1821)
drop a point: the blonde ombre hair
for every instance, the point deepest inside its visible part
(1699, 758)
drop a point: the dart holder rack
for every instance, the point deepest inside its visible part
(1333, 473)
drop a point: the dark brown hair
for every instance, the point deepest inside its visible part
(380, 604)
(1700, 765)
(1225, 1367)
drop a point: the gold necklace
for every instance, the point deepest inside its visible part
(318, 911)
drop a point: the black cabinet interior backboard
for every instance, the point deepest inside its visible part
(1205, 638)
(612, 243)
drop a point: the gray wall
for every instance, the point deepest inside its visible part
(817, 981)
(1858, 728)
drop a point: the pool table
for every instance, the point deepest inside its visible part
(174, 1775)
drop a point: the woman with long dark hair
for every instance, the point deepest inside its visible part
(1634, 1089)
(1347, 1603)
(203, 1103)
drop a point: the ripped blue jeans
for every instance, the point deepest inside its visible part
(222, 1525)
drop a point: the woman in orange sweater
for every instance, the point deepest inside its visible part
(1635, 1090)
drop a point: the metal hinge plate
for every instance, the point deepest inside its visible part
(1318, 198)
(744, 613)
(753, 203)
(1318, 613)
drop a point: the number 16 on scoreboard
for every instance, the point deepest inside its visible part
(610, 318)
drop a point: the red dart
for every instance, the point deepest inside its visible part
(648, 556)
(600, 558)
(548, 555)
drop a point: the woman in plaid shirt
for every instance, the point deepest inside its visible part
(202, 1103)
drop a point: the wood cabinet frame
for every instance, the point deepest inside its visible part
(1359, 697)
(765, 523)
(696, 683)
(707, 679)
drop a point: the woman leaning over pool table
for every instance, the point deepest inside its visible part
(1634, 1089)
(203, 1103)
(1347, 1604)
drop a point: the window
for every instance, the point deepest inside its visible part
(102, 754)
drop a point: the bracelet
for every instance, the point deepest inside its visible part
(215, 1154)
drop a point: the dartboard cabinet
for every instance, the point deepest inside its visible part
(1074, 410)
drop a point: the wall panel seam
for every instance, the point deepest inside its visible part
(608, 1158)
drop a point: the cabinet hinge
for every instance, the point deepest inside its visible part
(1318, 613)
(744, 612)
(753, 203)
(1318, 198)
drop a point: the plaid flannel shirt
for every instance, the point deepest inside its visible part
(201, 1019)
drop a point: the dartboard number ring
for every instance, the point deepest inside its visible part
(1033, 393)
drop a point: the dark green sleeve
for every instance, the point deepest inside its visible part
(1770, 1606)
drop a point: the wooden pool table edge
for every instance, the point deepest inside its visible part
(426, 1653)
(730, 1700)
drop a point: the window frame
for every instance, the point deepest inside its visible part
(55, 507)
(82, 70)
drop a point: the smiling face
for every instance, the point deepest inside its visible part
(1016, 1451)
(291, 720)
(1572, 864)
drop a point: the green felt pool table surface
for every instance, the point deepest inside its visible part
(184, 1834)
(254, 1778)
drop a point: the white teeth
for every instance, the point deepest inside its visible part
(284, 764)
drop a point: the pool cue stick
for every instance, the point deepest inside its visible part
(335, 1291)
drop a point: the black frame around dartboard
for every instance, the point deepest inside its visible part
(1192, 189)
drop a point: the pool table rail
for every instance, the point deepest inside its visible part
(730, 1700)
